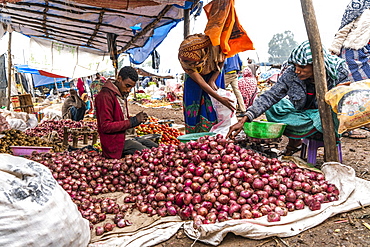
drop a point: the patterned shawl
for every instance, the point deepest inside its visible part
(302, 55)
(354, 9)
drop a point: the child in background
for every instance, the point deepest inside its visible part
(87, 101)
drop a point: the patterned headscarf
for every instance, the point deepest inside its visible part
(354, 9)
(302, 55)
(197, 53)
(191, 48)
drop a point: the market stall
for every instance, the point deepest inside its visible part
(209, 187)
(157, 91)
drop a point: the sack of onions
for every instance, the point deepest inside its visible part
(35, 210)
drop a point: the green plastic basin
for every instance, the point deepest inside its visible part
(194, 136)
(264, 129)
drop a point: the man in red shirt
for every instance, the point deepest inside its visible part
(113, 117)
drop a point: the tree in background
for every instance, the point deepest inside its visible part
(280, 47)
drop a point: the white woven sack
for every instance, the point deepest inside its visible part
(35, 210)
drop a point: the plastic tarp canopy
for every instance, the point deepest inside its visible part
(40, 80)
(139, 54)
(139, 29)
(40, 77)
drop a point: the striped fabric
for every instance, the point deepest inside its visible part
(302, 55)
(358, 63)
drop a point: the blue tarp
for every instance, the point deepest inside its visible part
(38, 79)
(139, 54)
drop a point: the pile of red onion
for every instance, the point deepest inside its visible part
(46, 127)
(210, 180)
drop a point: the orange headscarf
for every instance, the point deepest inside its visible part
(224, 29)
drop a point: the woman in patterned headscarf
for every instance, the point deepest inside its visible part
(299, 110)
(248, 86)
(202, 63)
(352, 42)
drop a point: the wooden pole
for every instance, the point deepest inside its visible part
(330, 151)
(9, 69)
(186, 22)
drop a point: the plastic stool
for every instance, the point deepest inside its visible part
(310, 146)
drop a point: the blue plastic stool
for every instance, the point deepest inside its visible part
(309, 149)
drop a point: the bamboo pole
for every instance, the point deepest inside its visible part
(330, 151)
(186, 22)
(9, 69)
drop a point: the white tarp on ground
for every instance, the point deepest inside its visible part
(354, 193)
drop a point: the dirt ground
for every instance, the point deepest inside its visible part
(342, 230)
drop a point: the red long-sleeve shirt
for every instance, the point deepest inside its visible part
(112, 124)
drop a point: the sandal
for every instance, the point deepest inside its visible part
(352, 135)
(289, 151)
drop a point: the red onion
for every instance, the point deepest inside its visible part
(185, 213)
(299, 204)
(187, 199)
(306, 187)
(296, 185)
(234, 208)
(258, 184)
(290, 196)
(273, 217)
(207, 205)
(197, 198)
(202, 211)
(209, 197)
(108, 227)
(171, 210)
(99, 230)
(256, 214)
(246, 214)
(315, 205)
(223, 199)
(121, 223)
(222, 216)
(160, 196)
(319, 197)
(274, 184)
(265, 209)
(281, 211)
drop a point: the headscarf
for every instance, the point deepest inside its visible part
(193, 47)
(197, 53)
(247, 73)
(248, 86)
(354, 9)
(83, 95)
(302, 55)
